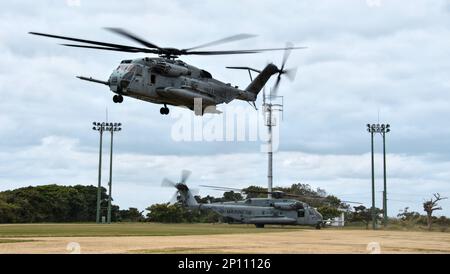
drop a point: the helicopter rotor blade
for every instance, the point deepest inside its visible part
(290, 48)
(291, 73)
(274, 90)
(247, 51)
(185, 175)
(89, 41)
(168, 183)
(221, 52)
(229, 39)
(174, 198)
(194, 191)
(350, 202)
(222, 188)
(286, 54)
(105, 48)
(155, 49)
(133, 37)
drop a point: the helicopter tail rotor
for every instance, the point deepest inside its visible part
(289, 73)
(184, 195)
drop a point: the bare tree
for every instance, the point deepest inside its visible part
(430, 206)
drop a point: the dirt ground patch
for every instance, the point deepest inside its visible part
(297, 241)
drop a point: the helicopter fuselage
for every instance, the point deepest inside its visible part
(172, 82)
(261, 211)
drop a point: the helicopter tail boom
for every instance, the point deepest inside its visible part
(260, 81)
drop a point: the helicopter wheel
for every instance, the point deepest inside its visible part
(319, 226)
(259, 225)
(117, 98)
(164, 111)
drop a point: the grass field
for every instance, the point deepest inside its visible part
(212, 238)
(129, 229)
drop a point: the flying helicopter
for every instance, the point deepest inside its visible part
(279, 210)
(167, 80)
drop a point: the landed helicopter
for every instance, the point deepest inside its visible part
(168, 81)
(278, 210)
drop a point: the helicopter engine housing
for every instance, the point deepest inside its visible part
(287, 206)
(171, 70)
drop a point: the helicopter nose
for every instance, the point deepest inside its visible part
(113, 81)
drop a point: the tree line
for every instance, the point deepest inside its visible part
(57, 203)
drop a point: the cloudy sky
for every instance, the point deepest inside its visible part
(367, 61)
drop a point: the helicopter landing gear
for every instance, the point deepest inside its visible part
(117, 98)
(164, 110)
(318, 225)
(259, 225)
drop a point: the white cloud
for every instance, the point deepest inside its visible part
(361, 59)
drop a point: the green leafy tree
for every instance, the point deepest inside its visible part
(131, 214)
(51, 203)
(329, 212)
(363, 214)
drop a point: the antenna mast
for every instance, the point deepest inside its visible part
(270, 122)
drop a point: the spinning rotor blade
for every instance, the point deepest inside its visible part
(194, 191)
(229, 39)
(221, 188)
(185, 175)
(168, 183)
(290, 73)
(134, 38)
(274, 91)
(222, 52)
(350, 202)
(102, 48)
(286, 54)
(165, 52)
(118, 46)
(245, 51)
(174, 199)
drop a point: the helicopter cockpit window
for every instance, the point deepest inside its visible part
(205, 74)
(125, 67)
(138, 71)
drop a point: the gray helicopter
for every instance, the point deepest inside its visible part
(258, 211)
(168, 81)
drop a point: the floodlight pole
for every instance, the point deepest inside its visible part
(382, 129)
(112, 127)
(110, 177)
(99, 127)
(386, 129)
(373, 185)
(270, 152)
